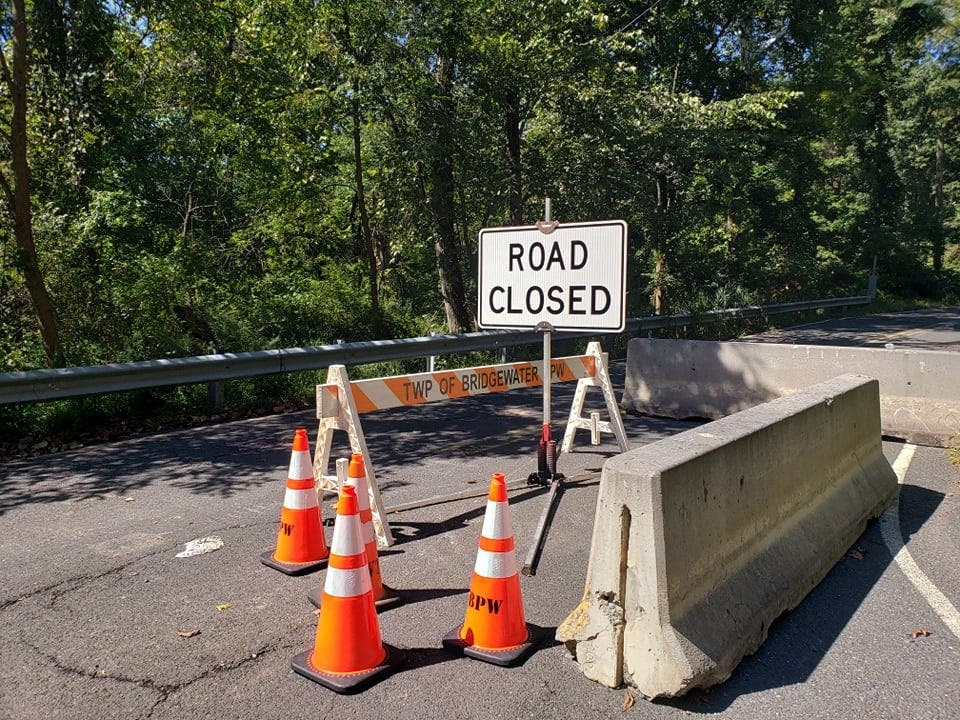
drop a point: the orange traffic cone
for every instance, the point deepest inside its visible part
(384, 596)
(495, 629)
(301, 546)
(348, 651)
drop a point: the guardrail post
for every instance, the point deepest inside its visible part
(215, 397)
(431, 359)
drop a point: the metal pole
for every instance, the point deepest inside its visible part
(547, 449)
(547, 374)
(532, 560)
(547, 330)
(432, 359)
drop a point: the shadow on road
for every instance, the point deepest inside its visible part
(219, 460)
(226, 459)
(411, 596)
(800, 639)
(869, 331)
(407, 531)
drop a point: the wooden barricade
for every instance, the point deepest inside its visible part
(340, 402)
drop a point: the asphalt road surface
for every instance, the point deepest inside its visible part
(93, 601)
(933, 329)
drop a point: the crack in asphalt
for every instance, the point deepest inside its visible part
(74, 582)
(164, 690)
(4, 604)
(78, 581)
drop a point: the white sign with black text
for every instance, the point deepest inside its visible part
(573, 277)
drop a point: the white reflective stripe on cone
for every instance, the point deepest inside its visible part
(301, 466)
(347, 583)
(496, 564)
(300, 499)
(346, 536)
(496, 521)
(363, 494)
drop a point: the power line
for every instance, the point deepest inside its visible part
(637, 18)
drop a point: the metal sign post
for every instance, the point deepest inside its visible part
(552, 277)
(547, 450)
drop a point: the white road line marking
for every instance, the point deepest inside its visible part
(893, 539)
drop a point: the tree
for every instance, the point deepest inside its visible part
(17, 185)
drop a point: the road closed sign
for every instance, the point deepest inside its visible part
(573, 277)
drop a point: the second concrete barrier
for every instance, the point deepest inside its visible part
(703, 539)
(919, 390)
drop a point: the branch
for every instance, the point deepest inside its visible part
(7, 190)
(719, 36)
(6, 69)
(777, 37)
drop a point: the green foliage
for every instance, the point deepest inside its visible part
(197, 184)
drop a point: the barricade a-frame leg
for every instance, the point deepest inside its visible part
(336, 410)
(601, 379)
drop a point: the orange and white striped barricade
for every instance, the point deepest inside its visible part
(340, 402)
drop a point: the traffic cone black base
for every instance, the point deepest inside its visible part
(505, 658)
(292, 568)
(345, 683)
(390, 599)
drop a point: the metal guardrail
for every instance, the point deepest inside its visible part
(53, 384)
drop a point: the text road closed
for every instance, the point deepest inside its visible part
(572, 278)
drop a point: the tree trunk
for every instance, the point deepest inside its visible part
(448, 257)
(446, 246)
(938, 235)
(19, 196)
(661, 231)
(373, 275)
(659, 295)
(512, 130)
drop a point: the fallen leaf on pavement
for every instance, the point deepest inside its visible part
(855, 554)
(628, 701)
(223, 606)
(187, 633)
(920, 632)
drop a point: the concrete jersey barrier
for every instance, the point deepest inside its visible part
(919, 389)
(703, 539)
